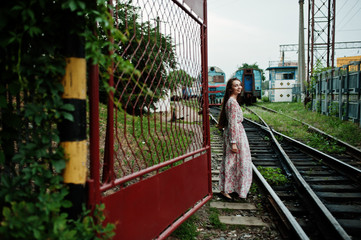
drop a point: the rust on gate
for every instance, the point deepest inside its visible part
(150, 158)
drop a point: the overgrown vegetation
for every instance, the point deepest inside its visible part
(323, 144)
(273, 176)
(188, 230)
(214, 219)
(33, 49)
(144, 138)
(179, 78)
(317, 69)
(140, 89)
(254, 188)
(265, 99)
(343, 130)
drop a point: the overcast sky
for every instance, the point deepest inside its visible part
(250, 31)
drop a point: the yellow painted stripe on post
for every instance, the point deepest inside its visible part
(76, 167)
(74, 81)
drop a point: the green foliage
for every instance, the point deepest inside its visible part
(308, 105)
(343, 130)
(188, 230)
(91, 223)
(265, 85)
(139, 89)
(333, 109)
(317, 69)
(179, 78)
(325, 145)
(254, 188)
(24, 221)
(251, 116)
(273, 176)
(317, 108)
(103, 44)
(32, 64)
(214, 219)
(253, 66)
(265, 99)
(152, 149)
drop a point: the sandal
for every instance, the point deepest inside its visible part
(226, 195)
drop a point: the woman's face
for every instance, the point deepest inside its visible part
(236, 87)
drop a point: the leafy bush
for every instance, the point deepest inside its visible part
(188, 230)
(265, 99)
(273, 176)
(32, 64)
(325, 145)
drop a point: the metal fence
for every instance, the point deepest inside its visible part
(149, 139)
(296, 92)
(336, 92)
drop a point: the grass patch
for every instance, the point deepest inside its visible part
(214, 219)
(188, 229)
(250, 115)
(140, 142)
(345, 131)
(273, 176)
(317, 141)
(254, 188)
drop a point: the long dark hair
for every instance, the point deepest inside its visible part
(222, 120)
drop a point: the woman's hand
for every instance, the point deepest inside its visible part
(234, 148)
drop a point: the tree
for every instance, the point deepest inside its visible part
(317, 69)
(179, 78)
(152, 54)
(253, 66)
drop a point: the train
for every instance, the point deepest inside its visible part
(216, 85)
(252, 84)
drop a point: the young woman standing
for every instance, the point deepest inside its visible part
(236, 167)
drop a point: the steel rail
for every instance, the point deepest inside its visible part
(333, 229)
(285, 215)
(353, 151)
(350, 171)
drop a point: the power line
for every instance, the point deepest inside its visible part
(351, 17)
(344, 3)
(349, 30)
(340, 23)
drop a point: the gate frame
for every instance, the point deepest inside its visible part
(202, 156)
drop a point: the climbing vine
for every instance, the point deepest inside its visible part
(32, 64)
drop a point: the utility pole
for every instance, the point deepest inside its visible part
(73, 133)
(301, 51)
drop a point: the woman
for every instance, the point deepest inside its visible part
(236, 167)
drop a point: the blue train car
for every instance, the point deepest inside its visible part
(216, 85)
(251, 82)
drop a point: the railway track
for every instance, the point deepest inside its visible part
(351, 155)
(322, 199)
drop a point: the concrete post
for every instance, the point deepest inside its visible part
(73, 133)
(301, 52)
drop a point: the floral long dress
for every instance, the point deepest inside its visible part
(236, 168)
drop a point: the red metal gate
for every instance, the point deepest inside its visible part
(149, 138)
